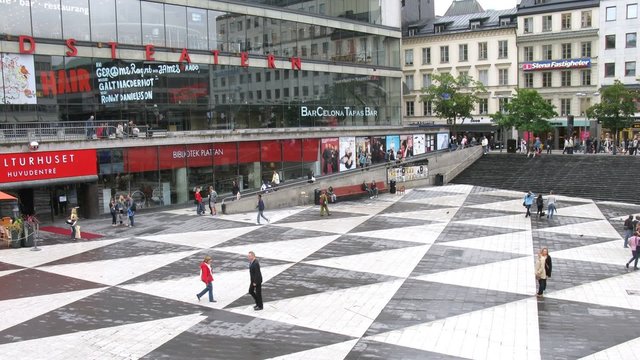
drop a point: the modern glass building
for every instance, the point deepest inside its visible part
(239, 88)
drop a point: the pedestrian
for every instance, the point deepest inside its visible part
(206, 275)
(528, 201)
(634, 243)
(113, 210)
(324, 201)
(235, 190)
(540, 205)
(121, 207)
(543, 270)
(548, 144)
(131, 210)
(255, 288)
(198, 201)
(275, 180)
(73, 223)
(374, 189)
(628, 229)
(213, 197)
(551, 205)
(485, 145)
(260, 207)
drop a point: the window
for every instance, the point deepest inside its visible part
(547, 24)
(503, 49)
(527, 53)
(463, 52)
(427, 108)
(585, 51)
(528, 25)
(409, 81)
(502, 104)
(610, 42)
(565, 107)
(482, 51)
(609, 69)
(565, 78)
(630, 68)
(426, 80)
(503, 76)
(546, 79)
(566, 21)
(547, 52)
(426, 56)
(566, 51)
(408, 57)
(631, 39)
(528, 80)
(483, 77)
(410, 108)
(586, 19)
(611, 13)
(483, 106)
(444, 54)
(103, 19)
(632, 11)
(463, 74)
(585, 77)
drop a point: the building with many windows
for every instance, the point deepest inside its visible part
(480, 45)
(558, 45)
(619, 55)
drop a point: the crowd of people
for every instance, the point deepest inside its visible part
(123, 211)
(588, 145)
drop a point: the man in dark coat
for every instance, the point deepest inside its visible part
(255, 288)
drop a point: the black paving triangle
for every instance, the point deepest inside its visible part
(572, 330)
(484, 198)
(557, 220)
(123, 249)
(570, 273)
(306, 279)
(369, 349)
(467, 213)
(32, 282)
(228, 336)
(204, 223)
(610, 210)
(481, 190)
(349, 244)
(313, 214)
(6, 266)
(111, 307)
(418, 302)
(400, 207)
(271, 233)
(457, 231)
(557, 241)
(441, 258)
(389, 222)
(190, 266)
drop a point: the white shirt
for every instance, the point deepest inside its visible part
(485, 142)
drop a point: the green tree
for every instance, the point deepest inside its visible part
(527, 111)
(616, 108)
(452, 98)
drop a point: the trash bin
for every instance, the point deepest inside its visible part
(224, 208)
(28, 236)
(392, 186)
(511, 146)
(439, 179)
(316, 196)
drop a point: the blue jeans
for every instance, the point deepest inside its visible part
(260, 214)
(208, 289)
(551, 209)
(131, 219)
(627, 235)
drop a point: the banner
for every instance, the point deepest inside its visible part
(407, 173)
(329, 152)
(17, 79)
(19, 167)
(393, 146)
(419, 144)
(347, 153)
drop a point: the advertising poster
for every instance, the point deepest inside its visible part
(443, 141)
(378, 149)
(407, 173)
(17, 79)
(347, 153)
(393, 146)
(329, 151)
(363, 151)
(406, 147)
(419, 144)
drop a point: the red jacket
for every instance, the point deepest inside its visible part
(198, 197)
(205, 273)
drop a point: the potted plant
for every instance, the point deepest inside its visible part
(16, 229)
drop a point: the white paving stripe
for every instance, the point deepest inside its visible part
(130, 341)
(611, 252)
(625, 351)
(7, 272)
(434, 215)
(348, 312)
(509, 205)
(425, 234)
(328, 224)
(201, 239)
(589, 211)
(606, 292)
(600, 228)
(288, 250)
(516, 242)
(334, 352)
(516, 221)
(447, 200)
(116, 271)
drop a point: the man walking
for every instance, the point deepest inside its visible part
(628, 230)
(260, 208)
(324, 200)
(255, 288)
(551, 205)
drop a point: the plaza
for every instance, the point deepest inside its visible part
(437, 273)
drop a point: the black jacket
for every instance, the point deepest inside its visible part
(254, 270)
(547, 266)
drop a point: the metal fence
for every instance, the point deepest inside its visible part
(71, 131)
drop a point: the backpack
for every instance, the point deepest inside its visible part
(628, 224)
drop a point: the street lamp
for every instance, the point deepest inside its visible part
(504, 131)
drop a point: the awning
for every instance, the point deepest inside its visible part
(6, 197)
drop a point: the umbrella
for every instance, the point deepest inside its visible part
(4, 197)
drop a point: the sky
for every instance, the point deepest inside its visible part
(443, 5)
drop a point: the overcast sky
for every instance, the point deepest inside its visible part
(443, 5)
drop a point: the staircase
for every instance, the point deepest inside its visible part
(597, 177)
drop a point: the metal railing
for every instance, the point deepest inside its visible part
(71, 130)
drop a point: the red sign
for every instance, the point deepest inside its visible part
(47, 165)
(63, 82)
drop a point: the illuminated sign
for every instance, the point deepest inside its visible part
(557, 64)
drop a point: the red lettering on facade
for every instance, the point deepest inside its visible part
(296, 63)
(113, 49)
(32, 44)
(48, 80)
(185, 56)
(71, 44)
(271, 61)
(149, 50)
(244, 59)
(58, 83)
(215, 56)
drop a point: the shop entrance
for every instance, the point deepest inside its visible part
(56, 201)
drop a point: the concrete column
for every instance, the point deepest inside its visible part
(182, 185)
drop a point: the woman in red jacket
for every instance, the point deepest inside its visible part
(199, 205)
(206, 275)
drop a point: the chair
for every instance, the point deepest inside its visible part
(400, 190)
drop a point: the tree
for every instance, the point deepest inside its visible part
(527, 111)
(452, 97)
(616, 108)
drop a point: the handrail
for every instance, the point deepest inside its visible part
(463, 161)
(71, 130)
